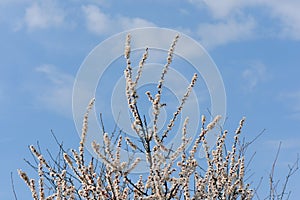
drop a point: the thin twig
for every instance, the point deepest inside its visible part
(102, 124)
(13, 186)
(292, 170)
(271, 178)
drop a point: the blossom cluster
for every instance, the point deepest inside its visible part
(173, 173)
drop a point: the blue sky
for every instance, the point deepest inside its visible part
(255, 45)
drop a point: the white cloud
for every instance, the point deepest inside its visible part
(253, 75)
(288, 14)
(97, 22)
(57, 92)
(221, 33)
(129, 23)
(229, 24)
(43, 14)
(100, 23)
(285, 14)
(222, 9)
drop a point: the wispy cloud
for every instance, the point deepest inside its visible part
(287, 12)
(253, 75)
(43, 14)
(223, 9)
(291, 100)
(57, 90)
(228, 23)
(101, 23)
(283, 15)
(220, 33)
